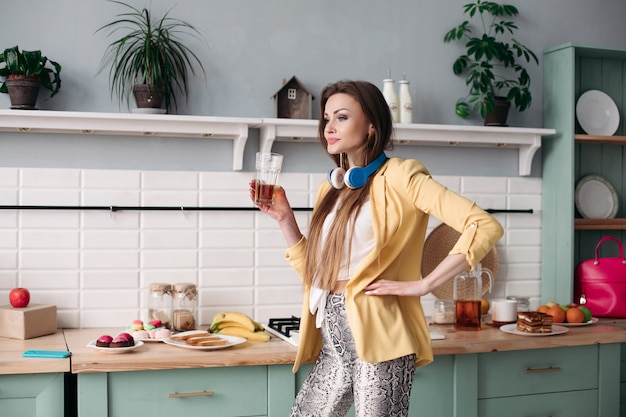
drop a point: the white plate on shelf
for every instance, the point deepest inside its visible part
(232, 341)
(92, 345)
(511, 328)
(593, 320)
(597, 113)
(596, 198)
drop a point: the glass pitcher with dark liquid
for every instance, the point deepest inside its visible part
(468, 294)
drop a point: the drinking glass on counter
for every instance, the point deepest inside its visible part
(268, 166)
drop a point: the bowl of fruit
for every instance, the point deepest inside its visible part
(568, 314)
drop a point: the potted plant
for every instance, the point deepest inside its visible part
(491, 64)
(25, 72)
(149, 59)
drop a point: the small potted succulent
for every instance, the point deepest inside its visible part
(25, 73)
(491, 62)
(149, 60)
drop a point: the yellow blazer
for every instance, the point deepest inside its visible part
(402, 196)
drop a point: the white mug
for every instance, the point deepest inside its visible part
(503, 311)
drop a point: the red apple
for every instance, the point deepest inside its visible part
(19, 297)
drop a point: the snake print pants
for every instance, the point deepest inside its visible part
(339, 378)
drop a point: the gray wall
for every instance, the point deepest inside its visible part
(252, 45)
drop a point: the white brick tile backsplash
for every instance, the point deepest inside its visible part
(48, 259)
(9, 177)
(172, 258)
(96, 266)
(109, 259)
(49, 178)
(111, 179)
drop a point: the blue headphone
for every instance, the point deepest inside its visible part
(355, 177)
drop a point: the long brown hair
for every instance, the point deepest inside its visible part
(322, 262)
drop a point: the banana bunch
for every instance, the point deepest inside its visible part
(234, 323)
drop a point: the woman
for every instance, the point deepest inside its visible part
(363, 250)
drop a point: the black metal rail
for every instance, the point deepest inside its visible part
(180, 208)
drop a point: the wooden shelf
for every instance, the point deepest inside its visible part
(599, 224)
(599, 139)
(526, 140)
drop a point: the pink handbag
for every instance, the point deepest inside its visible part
(600, 283)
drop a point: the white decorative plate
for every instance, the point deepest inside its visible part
(597, 113)
(512, 328)
(593, 320)
(92, 344)
(596, 198)
(232, 341)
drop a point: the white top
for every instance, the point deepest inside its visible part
(363, 242)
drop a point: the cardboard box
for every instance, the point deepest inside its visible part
(28, 322)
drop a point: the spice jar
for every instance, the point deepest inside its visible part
(523, 303)
(160, 303)
(444, 312)
(185, 298)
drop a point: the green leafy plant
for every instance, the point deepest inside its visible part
(30, 64)
(150, 52)
(491, 64)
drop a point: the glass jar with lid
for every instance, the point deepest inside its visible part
(160, 303)
(185, 299)
(444, 312)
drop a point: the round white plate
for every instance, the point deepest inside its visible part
(596, 198)
(92, 344)
(597, 113)
(511, 328)
(593, 320)
(232, 341)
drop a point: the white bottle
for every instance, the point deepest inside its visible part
(390, 95)
(406, 106)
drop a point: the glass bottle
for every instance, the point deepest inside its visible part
(390, 96)
(444, 312)
(160, 303)
(406, 105)
(184, 312)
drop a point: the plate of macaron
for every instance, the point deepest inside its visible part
(153, 331)
(121, 343)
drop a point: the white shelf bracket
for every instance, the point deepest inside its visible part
(267, 136)
(239, 144)
(526, 155)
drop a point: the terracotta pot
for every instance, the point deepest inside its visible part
(148, 96)
(500, 112)
(23, 91)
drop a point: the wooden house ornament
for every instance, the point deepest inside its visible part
(293, 100)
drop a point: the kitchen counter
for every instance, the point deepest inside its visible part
(12, 362)
(156, 355)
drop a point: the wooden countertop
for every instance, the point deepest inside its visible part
(12, 362)
(158, 355)
(490, 339)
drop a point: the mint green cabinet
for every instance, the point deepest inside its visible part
(32, 395)
(573, 381)
(225, 391)
(569, 71)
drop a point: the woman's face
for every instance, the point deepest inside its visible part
(347, 127)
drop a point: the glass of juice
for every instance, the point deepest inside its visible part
(268, 166)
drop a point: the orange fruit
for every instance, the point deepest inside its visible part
(557, 313)
(575, 315)
(543, 309)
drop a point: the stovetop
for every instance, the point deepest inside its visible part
(286, 328)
